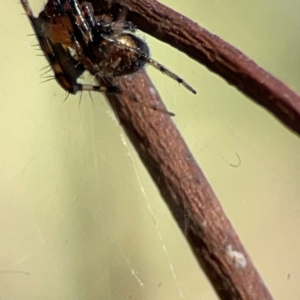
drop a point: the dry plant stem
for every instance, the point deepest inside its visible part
(217, 55)
(186, 191)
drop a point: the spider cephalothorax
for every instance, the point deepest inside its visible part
(74, 39)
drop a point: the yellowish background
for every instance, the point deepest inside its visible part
(80, 217)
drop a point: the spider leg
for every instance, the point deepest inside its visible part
(145, 57)
(109, 84)
(166, 71)
(81, 19)
(101, 89)
(87, 11)
(66, 69)
(83, 16)
(27, 9)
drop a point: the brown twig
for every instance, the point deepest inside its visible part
(217, 55)
(173, 168)
(186, 191)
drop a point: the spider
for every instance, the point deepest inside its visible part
(74, 39)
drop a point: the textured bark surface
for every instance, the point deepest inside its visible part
(186, 191)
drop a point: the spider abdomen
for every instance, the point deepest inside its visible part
(121, 55)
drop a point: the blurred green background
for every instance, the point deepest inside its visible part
(80, 217)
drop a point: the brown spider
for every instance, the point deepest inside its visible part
(74, 39)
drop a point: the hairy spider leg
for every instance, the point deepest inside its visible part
(75, 13)
(166, 71)
(151, 62)
(60, 61)
(70, 13)
(82, 15)
(87, 11)
(65, 67)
